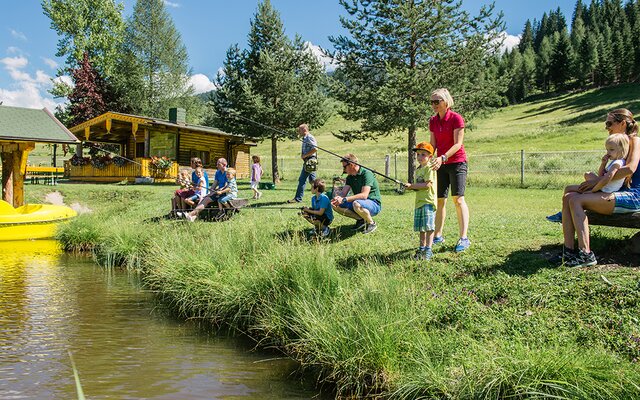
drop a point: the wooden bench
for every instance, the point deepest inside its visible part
(212, 213)
(630, 220)
(48, 175)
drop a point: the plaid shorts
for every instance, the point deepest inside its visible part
(627, 201)
(424, 218)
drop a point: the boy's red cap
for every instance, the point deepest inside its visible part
(424, 146)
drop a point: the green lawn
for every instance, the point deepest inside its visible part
(493, 322)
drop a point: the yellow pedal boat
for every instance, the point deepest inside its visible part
(31, 221)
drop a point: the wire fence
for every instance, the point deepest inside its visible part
(529, 169)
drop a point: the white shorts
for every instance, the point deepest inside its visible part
(254, 185)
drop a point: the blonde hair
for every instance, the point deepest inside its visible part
(231, 171)
(444, 94)
(350, 158)
(620, 142)
(199, 170)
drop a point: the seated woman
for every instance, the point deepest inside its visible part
(178, 201)
(574, 203)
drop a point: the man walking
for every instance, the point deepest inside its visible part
(309, 161)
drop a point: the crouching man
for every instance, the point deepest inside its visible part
(365, 201)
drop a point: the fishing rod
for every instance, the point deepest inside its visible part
(400, 190)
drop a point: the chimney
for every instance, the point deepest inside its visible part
(177, 116)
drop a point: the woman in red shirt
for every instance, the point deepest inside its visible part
(447, 134)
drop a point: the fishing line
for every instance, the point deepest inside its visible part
(236, 115)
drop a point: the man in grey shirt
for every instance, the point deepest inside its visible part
(309, 151)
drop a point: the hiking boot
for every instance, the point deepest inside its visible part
(360, 224)
(370, 228)
(557, 217)
(462, 245)
(582, 259)
(438, 240)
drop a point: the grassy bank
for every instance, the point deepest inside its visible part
(497, 321)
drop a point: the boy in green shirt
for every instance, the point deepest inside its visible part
(425, 206)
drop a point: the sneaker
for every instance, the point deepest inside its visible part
(462, 245)
(582, 259)
(418, 255)
(428, 253)
(325, 232)
(312, 232)
(291, 201)
(360, 224)
(259, 195)
(370, 228)
(423, 254)
(180, 214)
(563, 257)
(557, 217)
(438, 240)
(189, 217)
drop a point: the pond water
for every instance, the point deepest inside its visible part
(125, 345)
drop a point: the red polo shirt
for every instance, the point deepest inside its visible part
(442, 129)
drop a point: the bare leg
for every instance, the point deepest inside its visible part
(346, 212)
(441, 214)
(568, 230)
(462, 210)
(362, 212)
(602, 203)
(201, 206)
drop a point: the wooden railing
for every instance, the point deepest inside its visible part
(142, 168)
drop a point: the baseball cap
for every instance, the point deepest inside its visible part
(424, 146)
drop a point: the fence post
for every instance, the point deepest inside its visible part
(281, 167)
(395, 165)
(387, 161)
(522, 167)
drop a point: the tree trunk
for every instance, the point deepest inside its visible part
(274, 159)
(411, 164)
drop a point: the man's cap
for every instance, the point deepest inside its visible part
(426, 146)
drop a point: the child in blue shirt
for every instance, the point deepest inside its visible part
(229, 191)
(320, 215)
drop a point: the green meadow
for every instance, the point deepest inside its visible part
(496, 321)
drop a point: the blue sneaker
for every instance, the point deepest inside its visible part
(438, 240)
(428, 253)
(462, 245)
(557, 217)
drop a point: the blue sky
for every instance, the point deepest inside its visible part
(208, 28)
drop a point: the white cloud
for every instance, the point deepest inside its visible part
(66, 79)
(170, 4)
(327, 62)
(13, 50)
(52, 64)
(17, 34)
(509, 41)
(26, 90)
(201, 83)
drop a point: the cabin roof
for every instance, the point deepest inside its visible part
(18, 124)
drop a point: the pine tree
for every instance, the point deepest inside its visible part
(162, 60)
(561, 57)
(543, 61)
(399, 51)
(86, 100)
(277, 82)
(526, 39)
(528, 72)
(587, 59)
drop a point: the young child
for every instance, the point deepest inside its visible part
(320, 215)
(185, 191)
(256, 174)
(200, 188)
(425, 206)
(617, 146)
(228, 192)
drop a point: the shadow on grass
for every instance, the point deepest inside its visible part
(354, 261)
(610, 252)
(338, 234)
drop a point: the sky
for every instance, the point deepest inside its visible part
(208, 27)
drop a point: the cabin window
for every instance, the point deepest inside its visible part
(139, 150)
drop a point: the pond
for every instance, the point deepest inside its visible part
(124, 343)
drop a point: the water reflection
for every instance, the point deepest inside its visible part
(124, 345)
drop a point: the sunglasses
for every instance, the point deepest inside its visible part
(436, 102)
(609, 123)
